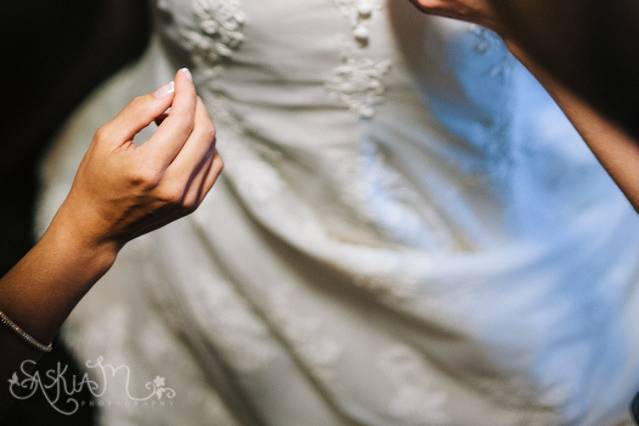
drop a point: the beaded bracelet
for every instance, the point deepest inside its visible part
(4, 319)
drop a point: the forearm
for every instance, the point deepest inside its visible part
(616, 151)
(40, 291)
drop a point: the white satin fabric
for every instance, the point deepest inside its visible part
(408, 232)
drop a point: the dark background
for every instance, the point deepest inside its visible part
(55, 53)
(590, 45)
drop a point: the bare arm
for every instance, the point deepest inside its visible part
(615, 149)
(587, 45)
(39, 292)
(120, 191)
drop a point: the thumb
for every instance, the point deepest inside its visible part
(139, 113)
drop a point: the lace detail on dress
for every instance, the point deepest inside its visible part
(499, 149)
(488, 41)
(358, 81)
(417, 401)
(214, 38)
(359, 13)
(211, 38)
(219, 32)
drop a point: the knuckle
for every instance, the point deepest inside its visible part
(209, 129)
(102, 134)
(184, 122)
(146, 178)
(171, 195)
(189, 204)
(206, 132)
(189, 126)
(218, 162)
(138, 105)
(138, 102)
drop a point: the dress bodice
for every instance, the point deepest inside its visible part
(422, 130)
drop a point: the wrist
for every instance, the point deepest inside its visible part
(72, 239)
(40, 291)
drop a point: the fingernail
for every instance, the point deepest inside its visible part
(187, 73)
(165, 90)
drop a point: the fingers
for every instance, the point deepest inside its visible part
(214, 172)
(196, 158)
(129, 193)
(138, 114)
(184, 145)
(188, 161)
(175, 129)
(195, 190)
(160, 118)
(197, 145)
(417, 4)
(205, 180)
(434, 7)
(187, 196)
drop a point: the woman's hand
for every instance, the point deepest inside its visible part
(475, 11)
(122, 190)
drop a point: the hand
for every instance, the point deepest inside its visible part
(122, 190)
(475, 11)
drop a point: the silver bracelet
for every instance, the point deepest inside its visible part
(4, 319)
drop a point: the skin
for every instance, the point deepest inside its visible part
(615, 149)
(475, 11)
(585, 44)
(120, 192)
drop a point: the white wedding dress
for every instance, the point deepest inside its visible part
(408, 232)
